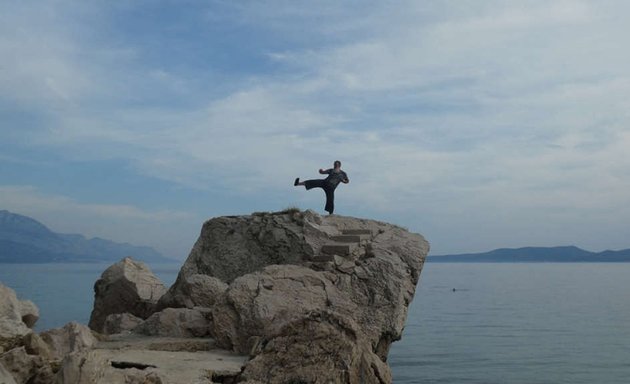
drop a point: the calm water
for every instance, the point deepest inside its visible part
(517, 323)
(504, 323)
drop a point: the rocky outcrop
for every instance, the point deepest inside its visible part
(286, 297)
(308, 294)
(26, 368)
(232, 246)
(16, 318)
(24, 356)
(126, 287)
(73, 337)
(28, 357)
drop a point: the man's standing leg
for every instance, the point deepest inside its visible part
(330, 200)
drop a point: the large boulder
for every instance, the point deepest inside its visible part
(128, 286)
(177, 322)
(193, 291)
(307, 294)
(72, 337)
(16, 318)
(232, 246)
(317, 348)
(120, 322)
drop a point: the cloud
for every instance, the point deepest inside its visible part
(443, 113)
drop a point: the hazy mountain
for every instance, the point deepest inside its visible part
(536, 254)
(25, 240)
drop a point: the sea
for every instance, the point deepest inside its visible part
(468, 323)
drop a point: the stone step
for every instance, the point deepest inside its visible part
(322, 258)
(339, 249)
(347, 238)
(356, 231)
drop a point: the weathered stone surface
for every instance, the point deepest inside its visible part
(262, 303)
(29, 312)
(26, 368)
(133, 359)
(120, 322)
(232, 246)
(72, 337)
(12, 311)
(35, 345)
(356, 307)
(193, 291)
(127, 286)
(5, 376)
(178, 322)
(318, 348)
(254, 284)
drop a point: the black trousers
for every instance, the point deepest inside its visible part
(328, 189)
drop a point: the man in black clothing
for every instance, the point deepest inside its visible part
(335, 176)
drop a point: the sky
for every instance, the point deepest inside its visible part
(479, 124)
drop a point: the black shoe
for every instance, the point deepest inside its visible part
(296, 182)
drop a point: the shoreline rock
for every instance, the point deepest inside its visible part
(128, 286)
(264, 298)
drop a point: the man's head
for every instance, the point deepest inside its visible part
(337, 164)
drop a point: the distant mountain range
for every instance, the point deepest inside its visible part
(566, 254)
(25, 240)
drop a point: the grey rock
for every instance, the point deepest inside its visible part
(232, 246)
(193, 291)
(318, 348)
(5, 376)
(35, 345)
(120, 322)
(72, 337)
(12, 312)
(134, 359)
(126, 287)
(29, 312)
(26, 368)
(287, 312)
(177, 322)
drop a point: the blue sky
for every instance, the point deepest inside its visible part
(479, 124)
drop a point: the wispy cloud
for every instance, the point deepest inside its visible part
(443, 112)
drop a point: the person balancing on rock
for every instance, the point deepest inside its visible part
(335, 176)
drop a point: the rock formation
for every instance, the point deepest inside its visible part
(126, 287)
(17, 317)
(28, 357)
(346, 299)
(285, 297)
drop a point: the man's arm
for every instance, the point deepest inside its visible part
(324, 172)
(345, 180)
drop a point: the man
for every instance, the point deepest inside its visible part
(335, 176)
